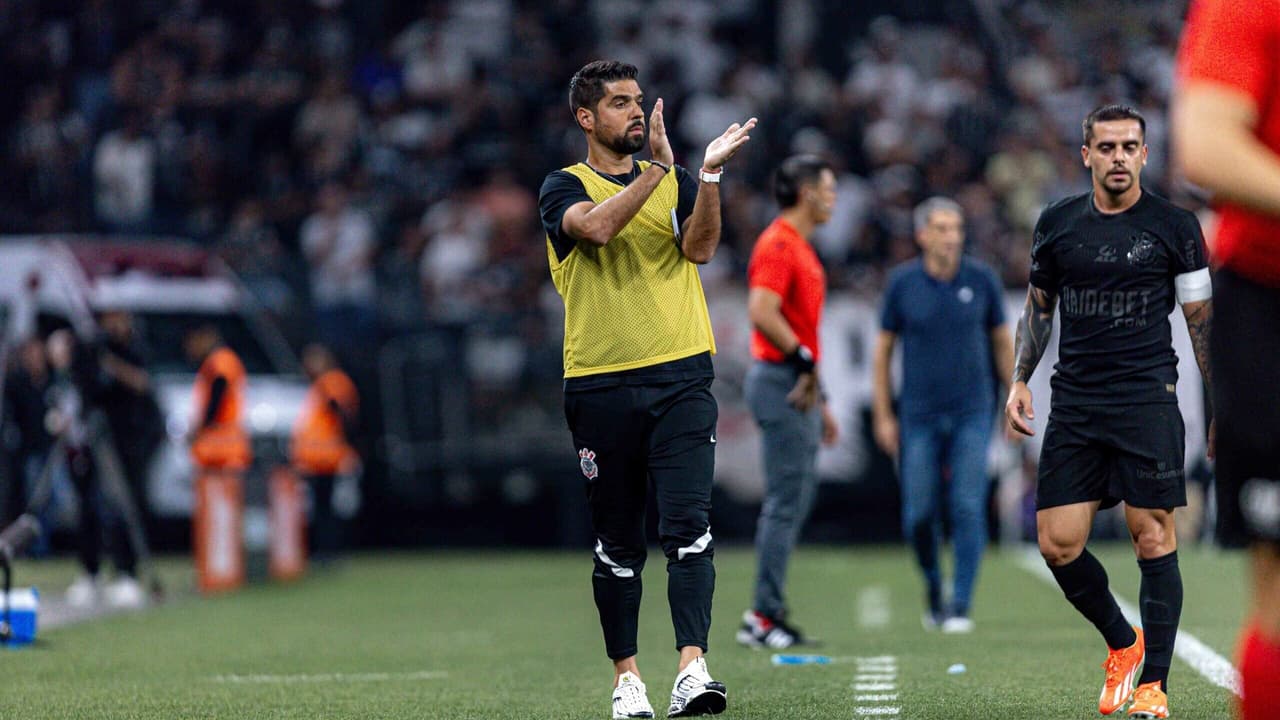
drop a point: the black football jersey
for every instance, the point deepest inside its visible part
(1113, 275)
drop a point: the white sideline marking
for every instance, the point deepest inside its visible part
(874, 610)
(56, 612)
(876, 682)
(878, 660)
(327, 678)
(1188, 648)
(874, 687)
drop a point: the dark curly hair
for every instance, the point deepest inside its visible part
(587, 86)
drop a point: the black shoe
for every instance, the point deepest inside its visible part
(761, 631)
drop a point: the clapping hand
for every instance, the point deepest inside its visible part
(659, 145)
(725, 146)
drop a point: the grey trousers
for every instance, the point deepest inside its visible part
(790, 448)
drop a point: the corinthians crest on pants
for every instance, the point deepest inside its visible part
(587, 459)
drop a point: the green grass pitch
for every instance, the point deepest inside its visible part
(496, 635)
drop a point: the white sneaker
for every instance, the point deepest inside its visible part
(629, 699)
(83, 592)
(125, 592)
(695, 693)
(957, 625)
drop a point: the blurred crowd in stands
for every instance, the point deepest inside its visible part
(371, 167)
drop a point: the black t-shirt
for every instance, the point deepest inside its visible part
(560, 191)
(25, 407)
(130, 353)
(1113, 275)
(132, 413)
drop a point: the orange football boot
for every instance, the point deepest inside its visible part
(1149, 701)
(1122, 669)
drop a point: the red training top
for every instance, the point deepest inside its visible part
(785, 263)
(1237, 44)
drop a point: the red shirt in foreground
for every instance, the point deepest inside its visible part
(784, 262)
(1236, 43)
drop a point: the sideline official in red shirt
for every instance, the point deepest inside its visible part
(1226, 135)
(787, 289)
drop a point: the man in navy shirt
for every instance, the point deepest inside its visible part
(948, 310)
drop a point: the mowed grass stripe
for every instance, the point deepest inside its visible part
(330, 677)
(518, 635)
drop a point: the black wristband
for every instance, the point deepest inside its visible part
(665, 167)
(801, 359)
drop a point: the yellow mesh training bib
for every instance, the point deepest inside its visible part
(637, 301)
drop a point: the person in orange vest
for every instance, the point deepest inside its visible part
(320, 449)
(221, 454)
(218, 437)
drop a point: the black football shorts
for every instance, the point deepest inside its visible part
(1245, 353)
(1113, 453)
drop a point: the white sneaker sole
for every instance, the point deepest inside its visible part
(712, 700)
(950, 627)
(746, 638)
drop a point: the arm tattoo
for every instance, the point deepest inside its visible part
(1199, 323)
(1034, 329)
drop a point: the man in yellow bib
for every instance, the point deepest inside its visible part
(624, 239)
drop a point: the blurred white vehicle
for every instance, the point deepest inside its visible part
(169, 286)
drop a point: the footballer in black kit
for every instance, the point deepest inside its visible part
(1115, 260)
(1115, 432)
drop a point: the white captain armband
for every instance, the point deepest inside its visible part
(1193, 286)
